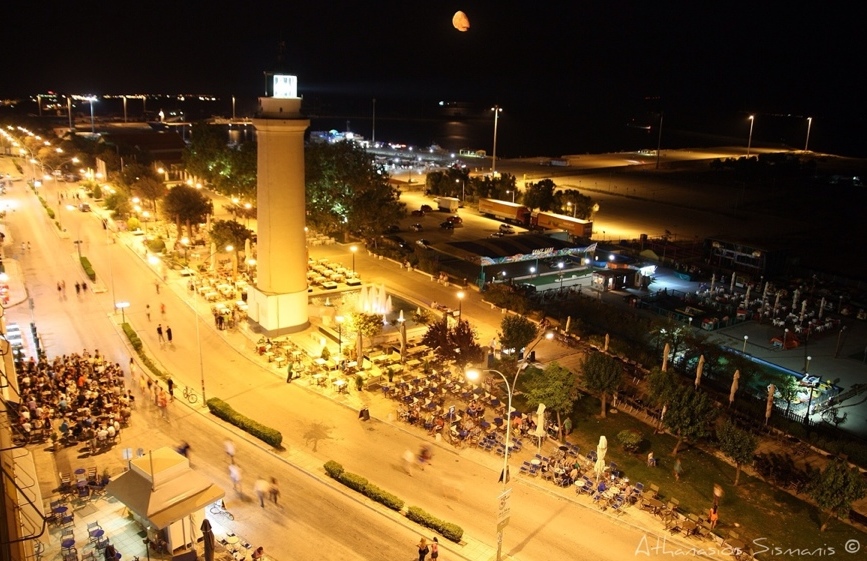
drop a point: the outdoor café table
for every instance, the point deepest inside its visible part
(320, 361)
(652, 504)
(735, 545)
(60, 509)
(413, 362)
(340, 385)
(96, 533)
(688, 527)
(319, 379)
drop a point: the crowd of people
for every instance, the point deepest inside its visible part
(72, 398)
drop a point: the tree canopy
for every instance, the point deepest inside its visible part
(187, 205)
(554, 386)
(459, 343)
(516, 332)
(835, 488)
(540, 195)
(229, 232)
(737, 444)
(603, 374)
(690, 415)
(348, 192)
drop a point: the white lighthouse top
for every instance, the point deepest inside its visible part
(285, 86)
(283, 103)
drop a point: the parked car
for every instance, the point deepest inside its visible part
(84, 207)
(497, 235)
(416, 228)
(417, 213)
(455, 219)
(507, 229)
(393, 229)
(525, 288)
(426, 208)
(423, 243)
(447, 225)
(396, 242)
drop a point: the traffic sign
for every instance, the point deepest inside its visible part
(504, 509)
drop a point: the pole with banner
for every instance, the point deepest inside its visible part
(504, 511)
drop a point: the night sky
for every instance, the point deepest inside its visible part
(753, 57)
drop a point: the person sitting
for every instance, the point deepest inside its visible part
(651, 461)
(259, 553)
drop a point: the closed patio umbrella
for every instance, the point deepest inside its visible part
(402, 340)
(540, 426)
(712, 281)
(665, 353)
(747, 296)
(601, 450)
(208, 539)
(734, 389)
(698, 371)
(607, 340)
(821, 307)
(359, 349)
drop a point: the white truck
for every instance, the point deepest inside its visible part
(448, 204)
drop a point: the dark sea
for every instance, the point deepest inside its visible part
(527, 128)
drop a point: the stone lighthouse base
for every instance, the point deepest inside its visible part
(277, 314)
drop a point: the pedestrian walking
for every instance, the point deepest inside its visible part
(132, 368)
(84, 287)
(678, 469)
(142, 383)
(408, 461)
(157, 285)
(423, 549)
(148, 311)
(77, 288)
(235, 476)
(28, 246)
(169, 334)
(163, 404)
(163, 309)
(261, 487)
(59, 291)
(435, 548)
(171, 384)
(713, 516)
(230, 450)
(273, 490)
(160, 333)
(63, 286)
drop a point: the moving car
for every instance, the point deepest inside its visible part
(426, 208)
(455, 219)
(417, 213)
(84, 207)
(393, 229)
(416, 228)
(423, 243)
(447, 225)
(506, 229)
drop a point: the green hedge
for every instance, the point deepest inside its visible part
(136, 343)
(225, 411)
(447, 529)
(363, 486)
(88, 269)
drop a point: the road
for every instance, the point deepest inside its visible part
(460, 485)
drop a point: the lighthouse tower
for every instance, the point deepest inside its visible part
(278, 302)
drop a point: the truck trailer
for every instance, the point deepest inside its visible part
(448, 204)
(504, 210)
(574, 226)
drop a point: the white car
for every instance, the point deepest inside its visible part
(506, 229)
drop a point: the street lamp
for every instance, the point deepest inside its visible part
(461, 304)
(472, 375)
(463, 183)
(809, 125)
(560, 266)
(353, 249)
(497, 110)
(746, 338)
(750, 140)
(92, 100)
(512, 192)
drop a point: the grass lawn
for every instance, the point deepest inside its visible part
(754, 509)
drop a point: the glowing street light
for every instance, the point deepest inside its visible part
(353, 249)
(474, 374)
(497, 110)
(461, 304)
(750, 140)
(807, 142)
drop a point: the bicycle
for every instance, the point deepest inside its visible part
(219, 508)
(190, 394)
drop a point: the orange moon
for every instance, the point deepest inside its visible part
(461, 21)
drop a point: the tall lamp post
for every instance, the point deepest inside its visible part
(503, 502)
(746, 338)
(810, 389)
(92, 100)
(353, 249)
(497, 110)
(461, 305)
(807, 142)
(750, 139)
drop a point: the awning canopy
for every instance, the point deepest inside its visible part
(177, 492)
